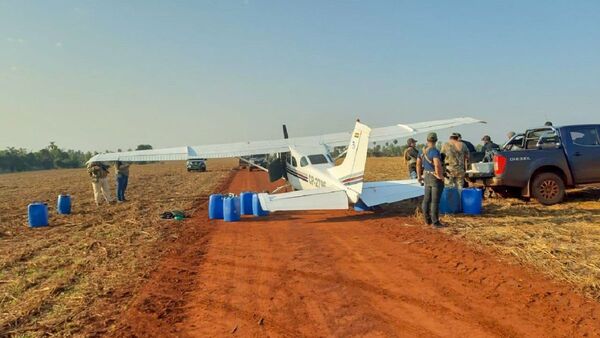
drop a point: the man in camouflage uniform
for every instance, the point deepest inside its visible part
(456, 161)
(99, 174)
(410, 156)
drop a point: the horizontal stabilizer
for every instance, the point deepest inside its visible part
(315, 199)
(376, 193)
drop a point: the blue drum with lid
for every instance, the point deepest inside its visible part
(472, 200)
(450, 201)
(246, 203)
(257, 209)
(231, 209)
(215, 206)
(63, 205)
(37, 214)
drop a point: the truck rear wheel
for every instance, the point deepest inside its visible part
(548, 188)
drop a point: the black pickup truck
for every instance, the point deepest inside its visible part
(543, 162)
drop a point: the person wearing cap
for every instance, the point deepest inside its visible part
(430, 172)
(98, 172)
(510, 135)
(456, 161)
(488, 147)
(410, 156)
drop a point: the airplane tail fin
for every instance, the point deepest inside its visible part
(352, 170)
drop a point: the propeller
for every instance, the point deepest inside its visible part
(285, 133)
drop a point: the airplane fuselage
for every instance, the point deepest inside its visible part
(310, 168)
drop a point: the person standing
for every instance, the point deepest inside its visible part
(99, 174)
(122, 171)
(488, 145)
(457, 160)
(488, 148)
(430, 172)
(410, 156)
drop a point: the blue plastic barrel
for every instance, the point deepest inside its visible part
(38, 214)
(231, 209)
(215, 206)
(63, 206)
(450, 201)
(472, 201)
(361, 206)
(257, 209)
(246, 203)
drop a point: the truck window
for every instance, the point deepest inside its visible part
(585, 136)
(516, 143)
(533, 137)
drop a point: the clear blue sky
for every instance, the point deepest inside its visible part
(97, 75)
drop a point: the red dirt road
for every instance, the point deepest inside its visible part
(344, 274)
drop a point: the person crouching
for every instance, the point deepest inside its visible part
(99, 174)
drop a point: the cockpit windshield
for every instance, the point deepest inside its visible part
(317, 159)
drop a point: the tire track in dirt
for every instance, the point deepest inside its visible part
(345, 274)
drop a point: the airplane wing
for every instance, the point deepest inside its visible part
(276, 146)
(314, 199)
(376, 193)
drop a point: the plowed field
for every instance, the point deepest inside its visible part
(520, 269)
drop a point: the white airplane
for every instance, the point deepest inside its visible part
(306, 164)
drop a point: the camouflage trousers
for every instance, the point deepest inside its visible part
(456, 181)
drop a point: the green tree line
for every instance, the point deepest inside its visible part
(52, 157)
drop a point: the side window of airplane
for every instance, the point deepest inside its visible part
(303, 161)
(289, 160)
(294, 162)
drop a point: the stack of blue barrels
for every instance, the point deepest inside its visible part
(38, 215)
(230, 208)
(468, 202)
